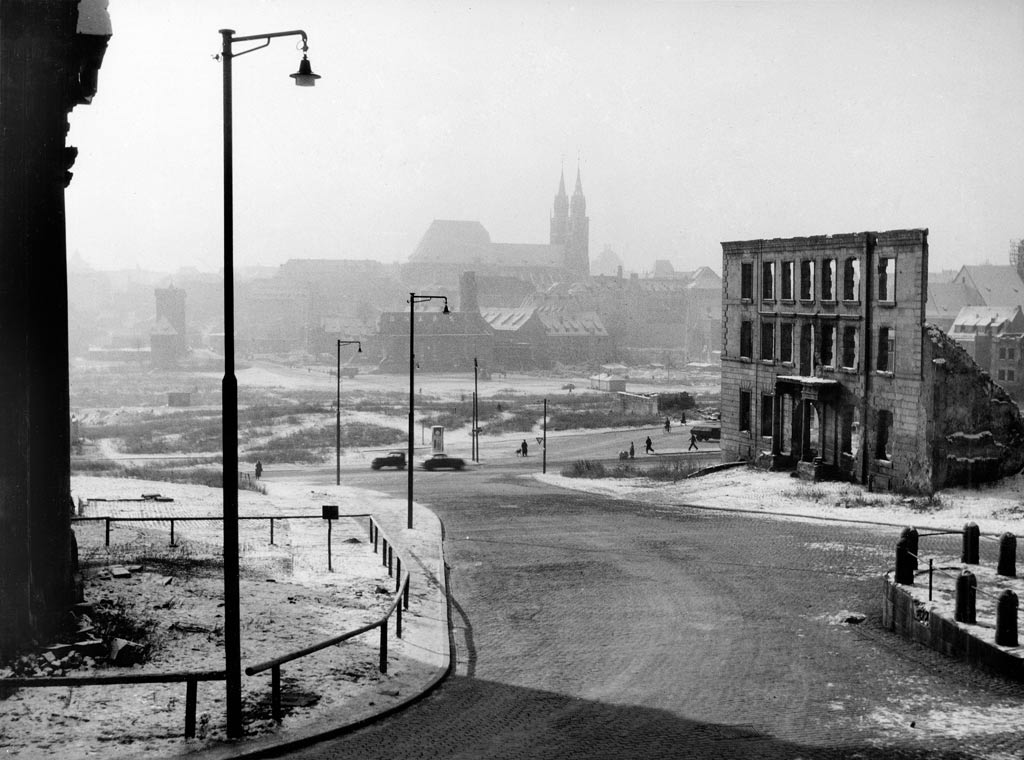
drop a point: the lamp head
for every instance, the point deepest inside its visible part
(305, 77)
(445, 309)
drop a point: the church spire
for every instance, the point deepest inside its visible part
(560, 214)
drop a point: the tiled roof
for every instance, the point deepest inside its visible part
(998, 285)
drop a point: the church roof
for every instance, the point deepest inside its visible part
(452, 241)
(528, 254)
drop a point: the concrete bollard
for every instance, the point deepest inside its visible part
(904, 563)
(972, 536)
(1007, 556)
(1006, 619)
(966, 593)
(910, 533)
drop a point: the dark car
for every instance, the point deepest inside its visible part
(391, 459)
(706, 432)
(443, 462)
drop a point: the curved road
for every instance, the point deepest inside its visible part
(587, 627)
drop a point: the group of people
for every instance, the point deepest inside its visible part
(649, 445)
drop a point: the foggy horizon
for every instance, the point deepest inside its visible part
(691, 123)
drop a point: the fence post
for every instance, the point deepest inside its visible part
(904, 563)
(406, 594)
(384, 646)
(910, 533)
(398, 573)
(966, 592)
(384, 551)
(106, 538)
(398, 620)
(275, 693)
(190, 708)
(1007, 556)
(271, 531)
(391, 557)
(172, 532)
(971, 538)
(1006, 619)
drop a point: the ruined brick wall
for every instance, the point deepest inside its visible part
(977, 433)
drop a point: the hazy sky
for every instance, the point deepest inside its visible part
(693, 123)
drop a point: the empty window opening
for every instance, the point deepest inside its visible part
(883, 442)
(747, 280)
(746, 340)
(886, 279)
(787, 280)
(745, 411)
(768, 281)
(806, 280)
(828, 279)
(767, 415)
(806, 349)
(786, 342)
(828, 340)
(850, 347)
(767, 341)
(886, 349)
(851, 280)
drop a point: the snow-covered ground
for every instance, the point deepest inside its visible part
(995, 509)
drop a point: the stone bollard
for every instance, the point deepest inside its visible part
(972, 536)
(1006, 619)
(1007, 556)
(904, 563)
(910, 533)
(966, 591)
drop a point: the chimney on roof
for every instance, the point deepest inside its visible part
(468, 301)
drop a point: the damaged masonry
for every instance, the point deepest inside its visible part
(829, 369)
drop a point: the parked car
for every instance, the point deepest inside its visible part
(707, 432)
(391, 459)
(443, 462)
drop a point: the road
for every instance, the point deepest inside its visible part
(587, 627)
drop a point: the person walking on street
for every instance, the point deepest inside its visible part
(682, 418)
(632, 451)
(524, 448)
(668, 425)
(649, 447)
(259, 469)
(693, 443)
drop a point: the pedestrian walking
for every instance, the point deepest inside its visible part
(682, 418)
(693, 442)
(523, 447)
(668, 425)
(259, 469)
(632, 451)
(649, 447)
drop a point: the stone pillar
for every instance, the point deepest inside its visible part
(966, 593)
(1006, 619)
(1007, 556)
(972, 537)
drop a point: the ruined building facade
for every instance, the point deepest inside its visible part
(50, 54)
(829, 368)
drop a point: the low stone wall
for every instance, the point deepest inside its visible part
(908, 617)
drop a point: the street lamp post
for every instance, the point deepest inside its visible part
(337, 430)
(476, 413)
(229, 387)
(413, 300)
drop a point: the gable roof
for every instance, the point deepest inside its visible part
(989, 320)
(998, 285)
(452, 240)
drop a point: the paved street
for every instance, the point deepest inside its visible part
(587, 627)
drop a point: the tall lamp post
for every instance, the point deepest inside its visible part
(337, 429)
(304, 77)
(413, 300)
